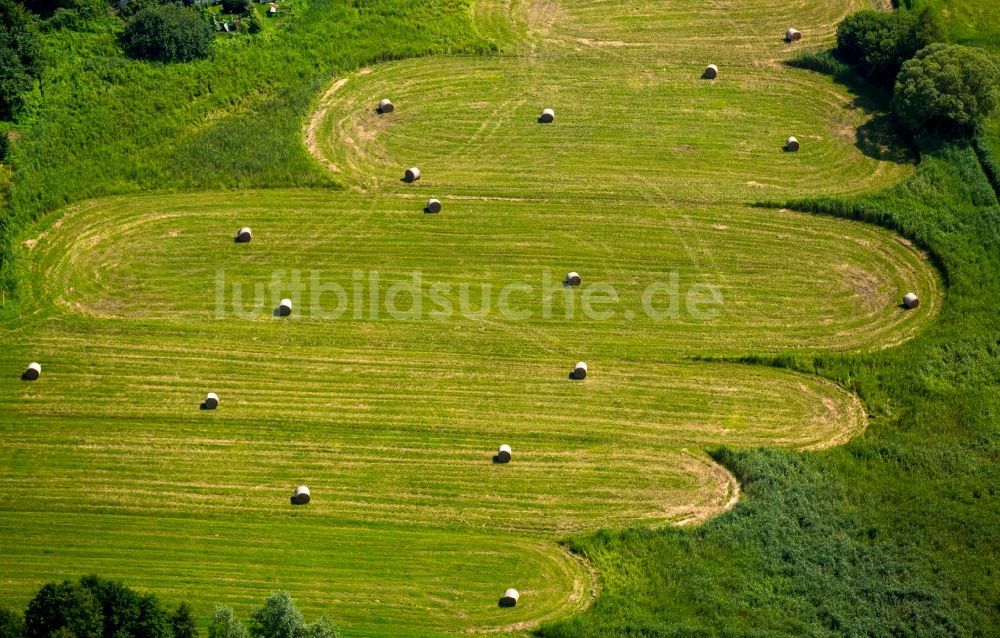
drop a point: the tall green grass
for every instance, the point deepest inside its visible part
(104, 124)
(893, 534)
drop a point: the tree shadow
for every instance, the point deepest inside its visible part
(880, 137)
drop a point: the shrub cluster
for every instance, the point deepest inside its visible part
(20, 56)
(947, 86)
(939, 88)
(167, 33)
(878, 42)
(95, 607)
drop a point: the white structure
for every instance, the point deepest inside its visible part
(244, 235)
(412, 174)
(711, 72)
(211, 401)
(580, 371)
(573, 279)
(33, 371)
(301, 496)
(385, 106)
(433, 205)
(503, 454)
(792, 35)
(548, 115)
(510, 598)
(792, 144)
(285, 308)
(910, 301)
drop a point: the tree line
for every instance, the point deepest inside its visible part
(95, 607)
(937, 88)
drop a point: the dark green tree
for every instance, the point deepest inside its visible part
(183, 623)
(46, 7)
(11, 623)
(236, 6)
(127, 613)
(947, 87)
(20, 56)
(65, 605)
(119, 605)
(879, 42)
(167, 33)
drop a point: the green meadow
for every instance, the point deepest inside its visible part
(740, 315)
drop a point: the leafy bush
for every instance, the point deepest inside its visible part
(95, 608)
(127, 612)
(225, 624)
(183, 622)
(11, 624)
(167, 33)
(878, 42)
(947, 86)
(280, 618)
(64, 606)
(20, 56)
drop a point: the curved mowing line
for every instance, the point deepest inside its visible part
(384, 437)
(392, 437)
(160, 258)
(409, 574)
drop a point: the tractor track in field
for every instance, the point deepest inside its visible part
(394, 439)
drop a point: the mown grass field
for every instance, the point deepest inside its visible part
(109, 466)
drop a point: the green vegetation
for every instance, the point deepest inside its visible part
(183, 622)
(880, 42)
(109, 466)
(947, 85)
(280, 618)
(225, 624)
(167, 33)
(20, 61)
(99, 608)
(893, 533)
(232, 121)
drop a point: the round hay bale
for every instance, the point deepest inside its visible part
(711, 72)
(510, 598)
(433, 205)
(385, 106)
(573, 279)
(285, 308)
(792, 145)
(244, 235)
(580, 371)
(547, 116)
(301, 495)
(32, 372)
(211, 401)
(910, 301)
(412, 174)
(503, 454)
(792, 35)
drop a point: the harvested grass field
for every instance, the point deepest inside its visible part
(109, 466)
